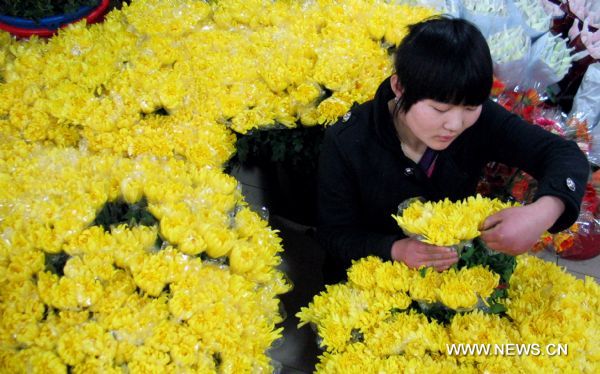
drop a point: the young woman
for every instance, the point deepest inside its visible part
(429, 132)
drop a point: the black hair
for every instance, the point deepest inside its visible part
(443, 59)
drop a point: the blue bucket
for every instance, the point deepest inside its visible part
(51, 22)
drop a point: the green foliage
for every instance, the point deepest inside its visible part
(36, 9)
(356, 336)
(474, 254)
(298, 148)
(119, 212)
(55, 262)
(438, 313)
(478, 253)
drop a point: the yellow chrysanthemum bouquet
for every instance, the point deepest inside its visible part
(146, 265)
(447, 223)
(123, 245)
(389, 318)
(456, 225)
(373, 323)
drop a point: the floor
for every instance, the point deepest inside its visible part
(301, 260)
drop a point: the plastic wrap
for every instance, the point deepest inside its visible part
(532, 17)
(490, 16)
(550, 60)
(586, 106)
(582, 240)
(511, 50)
(448, 224)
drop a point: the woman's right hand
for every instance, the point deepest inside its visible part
(416, 254)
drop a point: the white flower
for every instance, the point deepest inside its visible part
(497, 7)
(509, 45)
(556, 54)
(534, 14)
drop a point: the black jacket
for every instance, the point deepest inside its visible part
(363, 175)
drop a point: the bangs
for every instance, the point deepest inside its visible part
(457, 82)
(450, 64)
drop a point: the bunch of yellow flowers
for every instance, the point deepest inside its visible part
(204, 299)
(447, 223)
(143, 108)
(369, 324)
(376, 290)
(174, 78)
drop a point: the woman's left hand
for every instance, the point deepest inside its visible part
(515, 230)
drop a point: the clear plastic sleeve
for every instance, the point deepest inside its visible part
(490, 16)
(531, 16)
(586, 105)
(582, 240)
(511, 51)
(550, 60)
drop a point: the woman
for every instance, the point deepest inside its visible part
(429, 132)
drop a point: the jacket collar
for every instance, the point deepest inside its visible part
(383, 124)
(385, 132)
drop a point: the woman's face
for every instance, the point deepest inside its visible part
(437, 124)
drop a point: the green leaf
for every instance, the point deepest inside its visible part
(356, 336)
(497, 308)
(55, 262)
(119, 212)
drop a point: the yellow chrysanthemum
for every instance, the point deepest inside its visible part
(447, 223)
(457, 295)
(363, 330)
(424, 288)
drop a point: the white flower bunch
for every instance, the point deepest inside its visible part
(557, 55)
(497, 7)
(534, 14)
(509, 45)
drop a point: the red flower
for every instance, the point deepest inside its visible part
(497, 87)
(520, 189)
(590, 199)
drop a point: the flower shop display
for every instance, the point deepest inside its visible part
(490, 16)
(373, 323)
(147, 264)
(527, 50)
(576, 20)
(519, 62)
(510, 50)
(494, 16)
(534, 16)
(124, 244)
(550, 61)
(147, 56)
(390, 318)
(580, 241)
